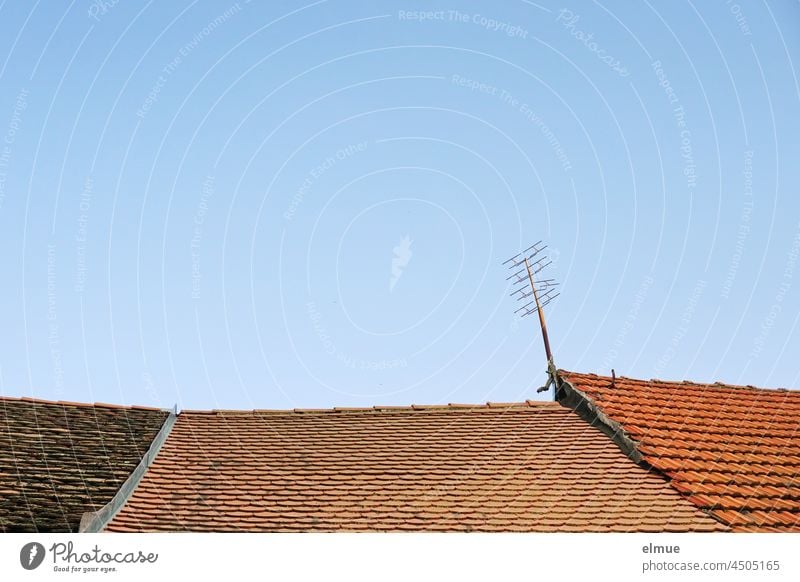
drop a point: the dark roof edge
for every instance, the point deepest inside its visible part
(96, 521)
(569, 396)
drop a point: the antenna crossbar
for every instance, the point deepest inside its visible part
(525, 266)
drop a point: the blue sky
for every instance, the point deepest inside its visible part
(232, 205)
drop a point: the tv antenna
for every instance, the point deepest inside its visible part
(537, 291)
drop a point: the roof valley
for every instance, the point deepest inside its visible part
(96, 521)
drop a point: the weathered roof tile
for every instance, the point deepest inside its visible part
(61, 459)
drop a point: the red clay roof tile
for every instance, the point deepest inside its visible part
(733, 450)
(500, 467)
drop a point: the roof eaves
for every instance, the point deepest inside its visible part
(96, 521)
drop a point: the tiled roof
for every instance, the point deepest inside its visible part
(59, 459)
(504, 467)
(732, 450)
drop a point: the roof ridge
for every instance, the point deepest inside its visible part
(33, 400)
(715, 384)
(450, 407)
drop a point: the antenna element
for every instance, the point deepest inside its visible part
(526, 266)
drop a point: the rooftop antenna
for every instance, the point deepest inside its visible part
(525, 267)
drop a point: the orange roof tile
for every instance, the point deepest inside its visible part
(529, 466)
(732, 450)
(60, 459)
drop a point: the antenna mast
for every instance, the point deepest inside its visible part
(525, 278)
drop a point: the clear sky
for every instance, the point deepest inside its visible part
(291, 204)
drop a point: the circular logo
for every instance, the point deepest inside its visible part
(31, 555)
